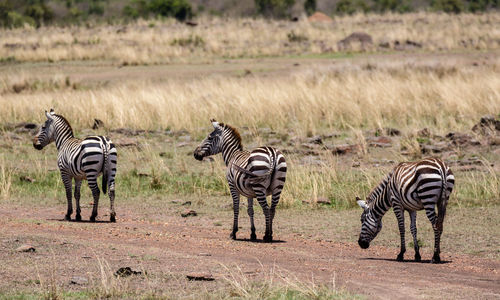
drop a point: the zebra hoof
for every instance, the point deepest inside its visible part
(400, 257)
(232, 235)
(92, 218)
(78, 217)
(112, 219)
(253, 237)
(268, 238)
(436, 259)
(67, 217)
(417, 257)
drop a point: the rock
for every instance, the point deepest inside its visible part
(191, 23)
(274, 142)
(406, 45)
(346, 148)
(309, 145)
(424, 132)
(323, 200)
(186, 203)
(78, 280)
(200, 277)
(188, 212)
(315, 140)
(379, 141)
(126, 271)
(26, 248)
(26, 179)
(126, 142)
(97, 124)
(204, 254)
(462, 139)
(487, 125)
(361, 37)
(319, 17)
(356, 164)
(389, 131)
(24, 127)
(435, 148)
(494, 141)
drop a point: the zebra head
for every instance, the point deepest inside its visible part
(370, 226)
(212, 144)
(46, 135)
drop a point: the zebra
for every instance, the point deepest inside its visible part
(80, 159)
(411, 186)
(253, 174)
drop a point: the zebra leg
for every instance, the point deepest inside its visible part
(112, 213)
(261, 198)
(413, 229)
(67, 181)
(253, 237)
(398, 210)
(95, 194)
(437, 234)
(431, 215)
(236, 210)
(274, 202)
(78, 184)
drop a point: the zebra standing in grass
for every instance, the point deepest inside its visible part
(80, 159)
(258, 173)
(410, 186)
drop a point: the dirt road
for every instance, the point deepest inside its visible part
(177, 245)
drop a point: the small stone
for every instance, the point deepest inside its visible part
(315, 140)
(200, 277)
(188, 212)
(323, 200)
(127, 271)
(380, 141)
(186, 203)
(204, 254)
(26, 179)
(26, 248)
(356, 164)
(78, 280)
(424, 132)
(345, 149)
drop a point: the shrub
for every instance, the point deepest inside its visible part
(392, 5)
(449, 6)
(274, 8)
(296, 38)
(180, 9)
(351, 6)
(39, 12)
(310, 7)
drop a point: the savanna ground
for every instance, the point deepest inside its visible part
(343, 119)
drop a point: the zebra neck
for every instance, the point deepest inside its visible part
(228, 152)
(62, 134)
(380, 199)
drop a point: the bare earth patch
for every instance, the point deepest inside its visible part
(165, 245)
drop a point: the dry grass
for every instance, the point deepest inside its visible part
(167, 41)
(324, 98)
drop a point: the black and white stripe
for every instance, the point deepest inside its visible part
(411, 186)
(80, 159)
(253, 174)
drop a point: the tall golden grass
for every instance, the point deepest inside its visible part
(307, 102)
(168, 41)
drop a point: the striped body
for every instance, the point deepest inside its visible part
(253, 174)
(80, 160)
(411, 186)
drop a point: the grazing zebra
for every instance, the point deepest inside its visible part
(411, 186)
(80, 159)
(257, 173)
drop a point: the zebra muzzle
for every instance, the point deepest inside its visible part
(363, 244)
(198, 155)
(37, 144)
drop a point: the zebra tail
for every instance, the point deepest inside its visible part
(105, 170)
(255, 178)
(444, 186)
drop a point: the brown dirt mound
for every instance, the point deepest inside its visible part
(320, 17)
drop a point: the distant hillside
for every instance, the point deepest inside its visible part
(14, 13)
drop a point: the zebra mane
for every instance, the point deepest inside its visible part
(234, 131)
(379, 189)
(63, 119)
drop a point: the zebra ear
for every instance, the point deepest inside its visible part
(362, 203)
(49, 115)
(52, 112)
(214, 123)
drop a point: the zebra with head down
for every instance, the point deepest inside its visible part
(80, 159)
(253, 174)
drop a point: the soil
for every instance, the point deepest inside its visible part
(177, 245)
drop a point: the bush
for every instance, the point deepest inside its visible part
(482, 5)
(96, 8)
(39, 12)
(274, 8)
(310, 7)
(392, 5)
(449, 6)
(349, 7)
(180, 9)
